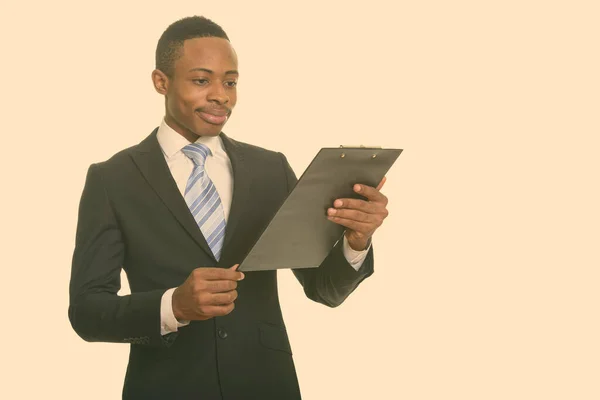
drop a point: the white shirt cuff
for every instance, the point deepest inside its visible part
(168, 322)
(355, 258)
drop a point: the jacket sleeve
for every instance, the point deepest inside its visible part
(335, 279)
(96, 312)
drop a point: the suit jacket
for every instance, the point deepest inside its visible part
(132, 216)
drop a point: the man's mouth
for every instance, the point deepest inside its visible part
(216, 117)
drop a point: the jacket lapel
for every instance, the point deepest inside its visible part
(151, 162)
(242, 180)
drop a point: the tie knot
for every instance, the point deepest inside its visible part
(197, 152)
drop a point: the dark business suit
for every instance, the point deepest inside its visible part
(132, 216)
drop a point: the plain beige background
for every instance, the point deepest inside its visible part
(487, 270)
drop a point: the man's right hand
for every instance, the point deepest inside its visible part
(206, 293)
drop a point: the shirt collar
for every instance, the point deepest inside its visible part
(172, 142)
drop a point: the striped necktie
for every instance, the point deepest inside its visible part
(203, 200)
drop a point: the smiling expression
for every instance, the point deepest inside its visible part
(201, 93)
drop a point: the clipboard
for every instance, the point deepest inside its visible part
(299, 235)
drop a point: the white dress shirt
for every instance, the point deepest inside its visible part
(218, 168)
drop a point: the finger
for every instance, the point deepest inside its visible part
(381, 183)
(217, 274)
(360, 227)
(217, 311)
(218, 286)
(354, 215)
(370, 193)
(235, 267)
(219, 299)
(356, 204)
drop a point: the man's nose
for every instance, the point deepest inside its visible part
(218, 94)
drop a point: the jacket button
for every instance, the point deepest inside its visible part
(222, 333)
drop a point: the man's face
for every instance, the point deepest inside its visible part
(201, 92)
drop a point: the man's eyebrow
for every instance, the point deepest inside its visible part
(230, 72)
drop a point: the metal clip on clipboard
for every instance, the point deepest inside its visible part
(359, 147)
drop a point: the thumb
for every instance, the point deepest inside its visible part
(234, 268)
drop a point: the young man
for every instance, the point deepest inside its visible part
(177, 212)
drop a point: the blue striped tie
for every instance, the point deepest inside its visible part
(203, 200)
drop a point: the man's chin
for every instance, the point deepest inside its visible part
(205, 129)
(205, 132)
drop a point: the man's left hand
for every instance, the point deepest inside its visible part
(360, 217)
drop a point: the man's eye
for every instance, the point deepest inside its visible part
(200, 82)
(231, 84)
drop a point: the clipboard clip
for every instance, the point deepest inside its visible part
(360, 147)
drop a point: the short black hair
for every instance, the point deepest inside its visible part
(171, 41)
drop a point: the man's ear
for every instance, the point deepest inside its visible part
(160, 81)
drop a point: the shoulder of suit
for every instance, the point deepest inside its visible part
(124, 156)
(117, 159)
